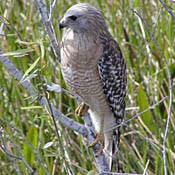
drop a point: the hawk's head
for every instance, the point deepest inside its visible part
(83, 17)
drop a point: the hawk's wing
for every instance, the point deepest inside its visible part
(112, 70)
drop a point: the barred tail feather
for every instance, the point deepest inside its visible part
(111, 148)
(108, 149)
(111, 138)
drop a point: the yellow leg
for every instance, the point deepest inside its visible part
(82, 109)
(100, 138)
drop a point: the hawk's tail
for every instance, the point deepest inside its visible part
(111, 147)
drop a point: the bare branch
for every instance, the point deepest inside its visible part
(47, 23)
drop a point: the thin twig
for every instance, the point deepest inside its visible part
(16, 37)
(11, 157)
(7, 151)
(147, 139)
(170, 93)
(25, 138)
(48, 106)
(57, 88)
(53, 40)
(52, 6)
(147, 163)
(165, 6)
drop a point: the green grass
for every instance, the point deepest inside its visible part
(147, 84)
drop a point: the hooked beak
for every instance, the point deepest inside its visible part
(62, 24)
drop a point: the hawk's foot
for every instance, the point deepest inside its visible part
(101, 139)
(82, 109)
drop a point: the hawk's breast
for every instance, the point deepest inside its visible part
(80, 54)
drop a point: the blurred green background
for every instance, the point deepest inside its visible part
(147, 84)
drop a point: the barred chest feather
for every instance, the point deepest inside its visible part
(80, 54)
(80, 48)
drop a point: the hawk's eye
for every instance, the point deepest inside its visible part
(73, 18)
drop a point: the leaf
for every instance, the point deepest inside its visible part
(42, 48)
(91, 172)
(47, 145)
(20, 52)
(29, 69)
(136, 3)
(25, 43)
(54, 87)
(32, 75)
(31, 107)
(144, 104)
(32, 136)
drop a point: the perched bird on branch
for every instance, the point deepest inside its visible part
(94, 69)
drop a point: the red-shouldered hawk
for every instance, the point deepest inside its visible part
(94, 69)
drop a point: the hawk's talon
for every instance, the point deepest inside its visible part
(82, 109)
(99, 151)
(100, 138)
